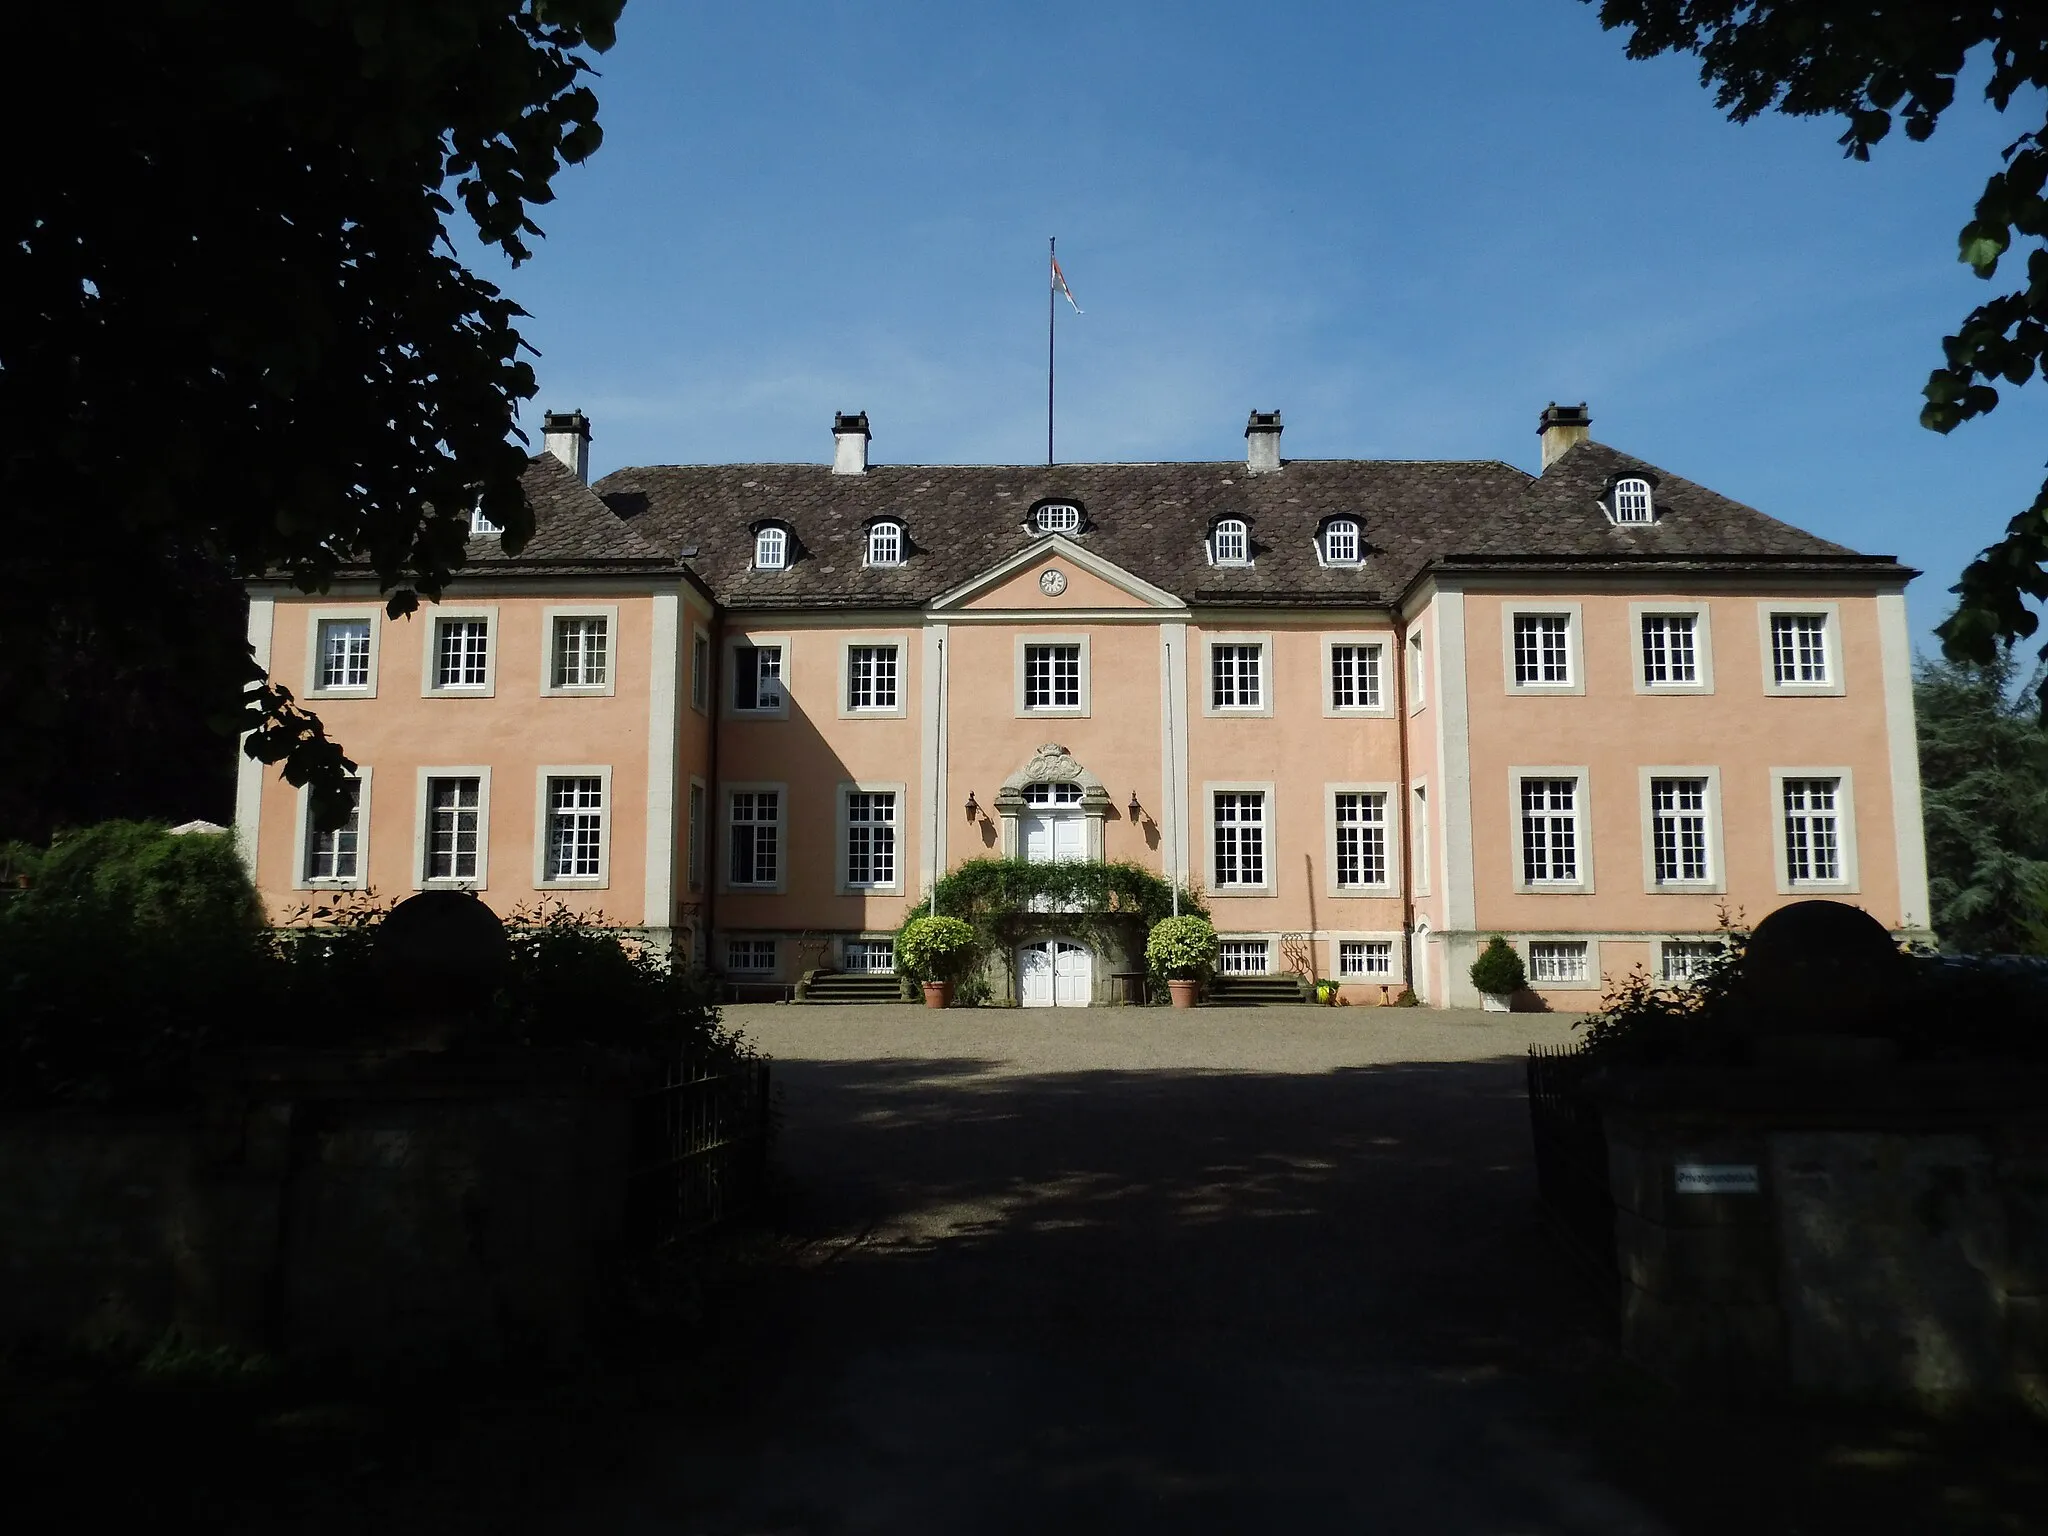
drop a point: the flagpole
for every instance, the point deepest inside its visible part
(1052, 250)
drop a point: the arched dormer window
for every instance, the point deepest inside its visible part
(478, 523)
(1057, 517)
(771, 548)
(1631, 500)
(885, 542)
(1230, 542)
(1341, 543)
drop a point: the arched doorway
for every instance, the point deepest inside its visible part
(1055, 973)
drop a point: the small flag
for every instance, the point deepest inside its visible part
(1059, 284)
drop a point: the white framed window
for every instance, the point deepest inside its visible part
(573, 842)
(750, 957)
(1360, 839)
(1240, 834)
(754, 836)
(1681, 822)
(1230, 542)
(700, 669)
(1814, 829)
(344, 659)
(580, 650)
(1244, 957)
(885, 543)
(755, 663)
(1681, 962)
(1552, 844)
(1631, 500)
(461, 653)
(869, 957)
(1419, 836)
(1239, 675)
(1559, 962)
(1673, 647)
(1052, 794)
(1802, 650)
(1365, 959)
(1418, 695)
(479, 523)
(694, 854)
(870, 678)
(1057, 517)
(338, 858)
(1543, 648)
(452, 841)
(1052, 675)
(869, 852)
(1354, 673)
(1341, 544)
(771, 548)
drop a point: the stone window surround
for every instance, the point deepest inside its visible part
(1383, 641)
(780, 885)
(315, 617)
(1337, 937)
(1845, 832)
(609, 612)
(1269, 830)
(302, 839)
(1263, 640)
(1591, 983)
(842, 840)
(1575, 645)
(1582, 832)
(740, 642)
(1051, 764)
(422, 809)
(431, 651)
(542, 809)
(1027, 637)
(1702, 645)
(1390, 793)
(1836, 685)
(900, 643)
(1716, 882)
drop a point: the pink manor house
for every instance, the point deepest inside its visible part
(1374, 711)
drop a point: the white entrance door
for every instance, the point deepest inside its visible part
(1055, 973)
(1054, 837)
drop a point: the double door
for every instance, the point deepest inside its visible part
(1055, 973)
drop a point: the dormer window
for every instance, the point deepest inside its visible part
(771, 549)
(1058, 517)
(1340, 542)
(1230, 543)
(478, 523)
(885, 544)
(1632, 500)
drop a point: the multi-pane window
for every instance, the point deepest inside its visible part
(1632, 500)
(873, 957)
(1558, 961)
(1052, 794)
(1059, 517)
(871, 838)
(1688, 961)
(871, 677)
(462, 653)
(1420, 836)
(1052, 677)
(1354, 677)
(1340, 542)
(1231, 542)
(1365, 957)
(344, 653)
(1361, 839)
(757, 677)
(575, 835)
(1670, 648)
(696, 852)
(885, 544)
(1234, 680)
(1240, 837)
(1678, 829)
(700, 671)
(750, 956)
(1813, 833)
(1243, 957)
(771, 549)
(479, 523)
(1550, 831)
(582, 651)
(756, 825)
(1416, 676)
(1799, 648)
(454, 828)
(332, 853)
(1543, 650)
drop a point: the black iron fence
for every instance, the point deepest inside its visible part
(1571, 1158)
(700, 1147)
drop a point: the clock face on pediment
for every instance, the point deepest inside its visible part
(1052, 583)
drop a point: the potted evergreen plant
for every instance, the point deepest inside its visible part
(1498, 975)
(1183, 949)
(934, 951)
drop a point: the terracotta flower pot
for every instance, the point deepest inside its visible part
(1184, 991)
(938, 994)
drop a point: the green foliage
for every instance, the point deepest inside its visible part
(1182, 948)
(149, 877)
(1901, 59)
(173, 1361)
(1498, 969)
(935, 949)
(1984, 777)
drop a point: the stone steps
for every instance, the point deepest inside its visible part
(849, 987)
(1254, 991)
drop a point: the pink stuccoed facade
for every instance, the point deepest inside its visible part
(1374, 712)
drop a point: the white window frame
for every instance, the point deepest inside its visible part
(1395, 976)
(774, 966)
(782, 541)
(901, 645)
(422, 809)
(1244, 540)
(609, 612)
(302, 843)
(315, 618)
(1574, 642)
(1390, 795)
(885, 940)
(700, 669)
(1323, 555)
(543, 823)
(1383, 642)
(873, 529)
(696, 831)
(1268, 940)
(1418, 672)
(1702, 645)
(1264, 708)
(1836, 685)
(734, 644)
(1649, 496)
(1026, 638)
(1269, 836)
(1040, 525)
(1666, 945)
(437, 614)
(1591, 982)
(1582, 831)
(724, 832)
(1845, 832)
(842, 849)
(1418, 823)
(1717, 869)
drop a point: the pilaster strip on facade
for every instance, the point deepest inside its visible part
(1902, 742)
(662, 765)
(1454, 754)
(932, 744)
(249, 772)
(1173, 748)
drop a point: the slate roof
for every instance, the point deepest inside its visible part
(1152, 520)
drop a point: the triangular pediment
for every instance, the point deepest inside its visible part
(1084, 580)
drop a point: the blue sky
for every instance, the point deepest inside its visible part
(1408, 227)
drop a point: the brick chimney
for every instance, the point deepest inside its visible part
(850, 443)
(1561, 427)
(1262, 442)
(566, 435)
